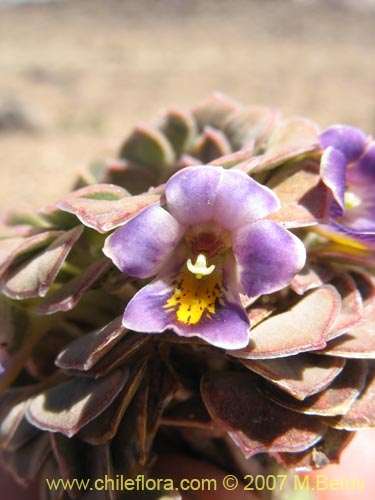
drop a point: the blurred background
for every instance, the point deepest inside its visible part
(75, 75)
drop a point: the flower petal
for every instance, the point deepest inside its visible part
(241, 200)
(141, 246)
(191, 194)
(268, 257)
(229, 197)
(226, 326)
(332, 169)
(349, 140)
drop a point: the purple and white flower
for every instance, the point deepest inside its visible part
(207, 246)
(348, 169)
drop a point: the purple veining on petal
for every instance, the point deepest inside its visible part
(141, 246)
(268, 257)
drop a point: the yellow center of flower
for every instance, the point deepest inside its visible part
(197, 291)
(351, 200)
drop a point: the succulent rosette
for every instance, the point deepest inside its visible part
(215, 220)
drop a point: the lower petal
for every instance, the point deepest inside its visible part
(268, 256)
(168, 303)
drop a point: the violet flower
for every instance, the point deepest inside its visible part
(206, 248)
(348, 168)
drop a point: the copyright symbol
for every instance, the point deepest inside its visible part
(230, 482)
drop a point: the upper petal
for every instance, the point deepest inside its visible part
(241, 200)
(141, 246)
(349, 140)
(229, 197)
(268, 257)
(191, 194)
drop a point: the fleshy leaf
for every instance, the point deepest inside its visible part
(290, 138)
(366, 286)
(12, 249)
(104, 214)
(255, 423)
(345, 254)
(26, 461)
(190, 413)
(67, 407)
(210, 145)
(68, 453)
(351, 305)
(299, 329)
(179, 127)
(134, 177)
(148, 147)
(162, 387)
(33, 277)
(313, 275)
(104, 427)
(305, 200)
(133, 432)
(327, 451)
(361, 414)
(83, 353)
(301, 376)
(213, 111)
(260, 312)
(129, 345)
(233, 159)
(336, 399)
(13, 405)
(250, 124)
(23, 434)
(359, 342)
(99, 464)
(67, 297)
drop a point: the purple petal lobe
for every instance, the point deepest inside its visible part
(229, 197)
(191, 309)
(332, 169)
(366, 164)
(241, 200)
(141, 246)
(268, 257)
(191, 194)
(350, 141)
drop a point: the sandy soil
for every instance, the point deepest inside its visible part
(75, 75)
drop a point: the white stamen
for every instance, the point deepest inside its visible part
(351, 200)
(200, 267)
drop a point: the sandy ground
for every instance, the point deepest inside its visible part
(75, 75)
